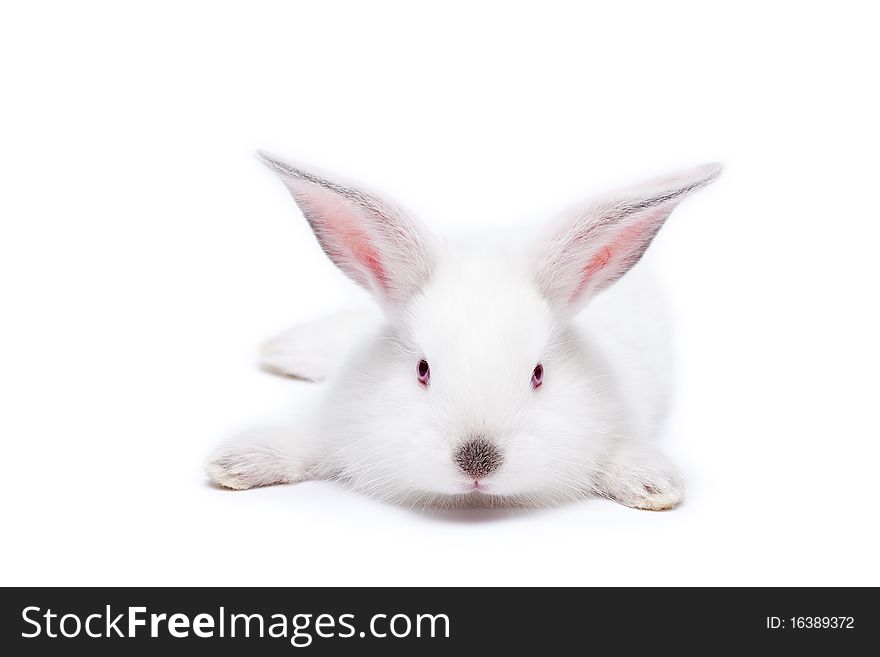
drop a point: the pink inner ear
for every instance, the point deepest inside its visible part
(596, 263)
(616, 256)
(340, 228)
(364, 251)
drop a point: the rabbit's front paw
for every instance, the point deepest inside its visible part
(638, 477)
(659, 492)
(250, 464)
(242, 468)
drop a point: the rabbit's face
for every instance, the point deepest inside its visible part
(493, 395)
(482, 332)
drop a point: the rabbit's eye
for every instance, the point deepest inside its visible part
(424, 372)
(537, 376)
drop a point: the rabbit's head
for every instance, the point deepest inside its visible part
(479, 385)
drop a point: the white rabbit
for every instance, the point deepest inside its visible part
(481, 381)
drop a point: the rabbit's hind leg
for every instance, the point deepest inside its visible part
(311, 351)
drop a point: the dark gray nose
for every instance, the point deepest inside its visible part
(477, 458)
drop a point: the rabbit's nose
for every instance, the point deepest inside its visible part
(477, 458)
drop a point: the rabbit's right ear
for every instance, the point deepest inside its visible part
(369, 238)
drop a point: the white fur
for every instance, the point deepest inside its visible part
(310, 351)
(482, 315)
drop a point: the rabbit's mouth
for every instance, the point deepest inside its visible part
(476, 487)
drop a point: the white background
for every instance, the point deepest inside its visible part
(145, 253)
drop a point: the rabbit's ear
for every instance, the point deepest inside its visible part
(588, 250)
(369, 238)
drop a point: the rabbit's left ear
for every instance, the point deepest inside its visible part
(585, 253)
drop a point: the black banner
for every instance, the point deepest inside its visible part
(434, 621)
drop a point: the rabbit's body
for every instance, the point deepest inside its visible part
(482, 383)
